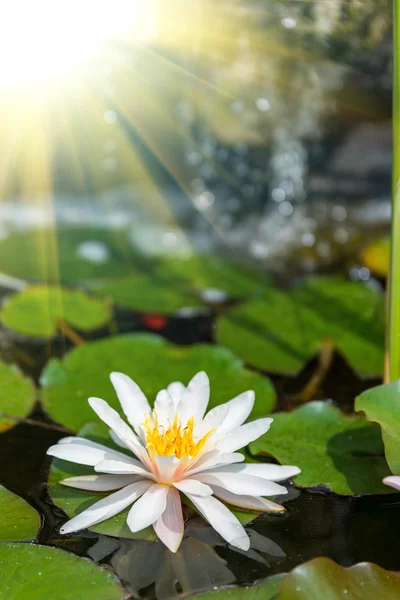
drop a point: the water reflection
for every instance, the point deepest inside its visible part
(197, 566)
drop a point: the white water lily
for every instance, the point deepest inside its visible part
(179, 449)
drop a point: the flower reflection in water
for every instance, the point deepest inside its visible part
(196, 566)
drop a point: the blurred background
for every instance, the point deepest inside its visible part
(259, 129)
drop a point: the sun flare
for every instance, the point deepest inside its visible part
(44, 41)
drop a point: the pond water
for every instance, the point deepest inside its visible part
(267, 148)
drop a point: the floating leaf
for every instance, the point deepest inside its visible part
(68, 254)
(19, 521)
(38, 311)
(265, 590)
(344, 454)
(205, 272)
(280, 331)
(17, 396)
(323, 578)
(381, 404)
(39, 572)
(145, 293)
(376, 256)
(153, 363)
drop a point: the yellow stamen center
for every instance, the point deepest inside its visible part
(174, 439)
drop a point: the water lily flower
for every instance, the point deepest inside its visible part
(179, 449)
(393, 481)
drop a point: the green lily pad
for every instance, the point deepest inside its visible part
(280, 331)
(40, 572)
(265, 590)
(147, 294)
(68, 254)
(381, 404)
(153, 363)
(205, 272)
(38, 310)
(323, 578)
(17, 396)
(344, 454)
(19, 521)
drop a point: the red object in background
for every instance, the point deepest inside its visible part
(155, 322)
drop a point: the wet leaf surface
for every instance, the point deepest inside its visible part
(280, 331)
(38, 311)
(153, 363)
(17, 396)
(344, 454)
(323, 578)
(39, 572)
(19, 521)
(381, 405)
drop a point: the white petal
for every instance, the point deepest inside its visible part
(214, 458)
(119, 467)
(237, 483)
(212, 420)
(107, 507)
(239, 409)
(175, 390)
(222, 520)
(166, 466)
(240, 437)
(263, 470)
(86, 442)
(99, 483)
(148, 508)
(83, 454)
(393, 481)
(195, 398)
(192, 486)
(120, 428)
(247, 502)
(133, 401)
(116, 440)
(170, 526)
(165, 408)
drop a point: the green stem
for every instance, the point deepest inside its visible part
(394, 318)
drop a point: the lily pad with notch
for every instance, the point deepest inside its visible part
(17, 396)
(153, 363)
(279, 331)
(39, 310)
(341, 453)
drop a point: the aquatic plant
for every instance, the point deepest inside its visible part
(178, 448)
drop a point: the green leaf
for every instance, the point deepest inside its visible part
(145, 293)
(74, 501)
(204, 272)
(265, 590)
(323, 578)
(381, 404)
(153, 363)
(344, 454)
(280, 331)
(40, 572)
(17, 396)
(19, 521)
(61, 255)
(38, 310)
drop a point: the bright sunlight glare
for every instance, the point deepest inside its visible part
(42, 41)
